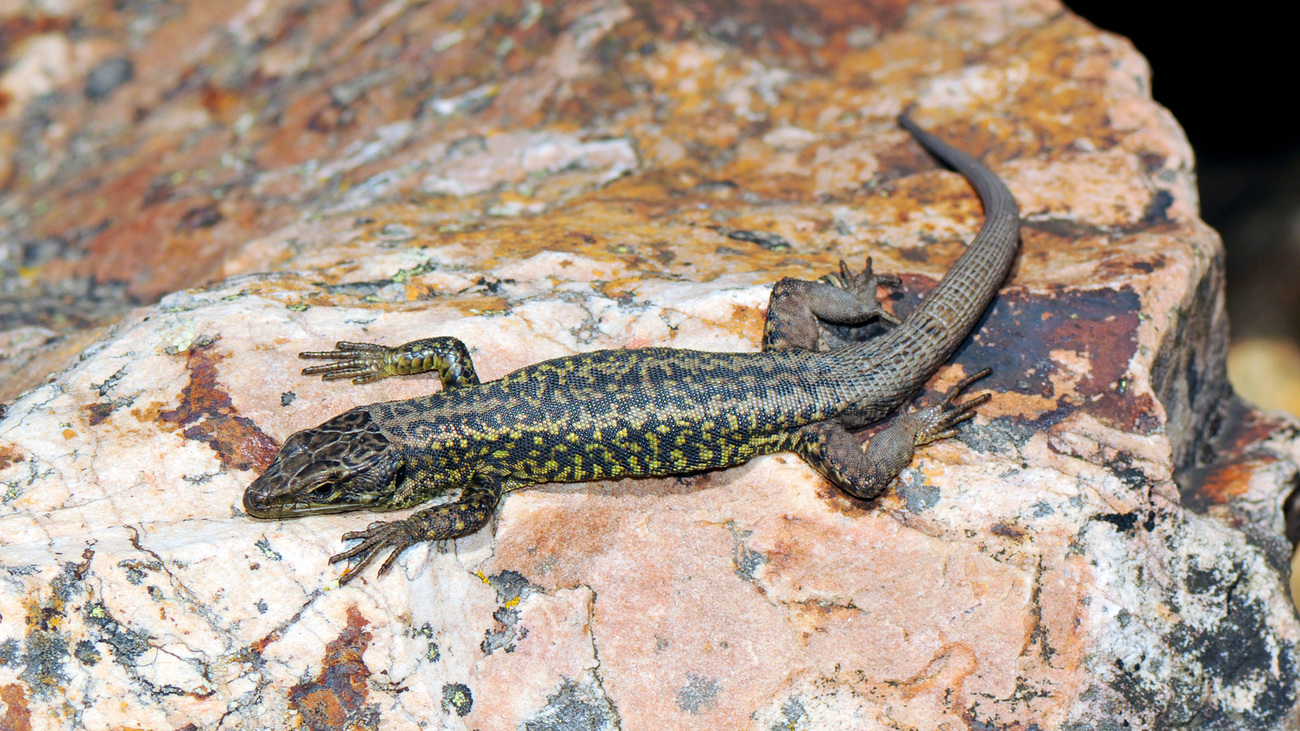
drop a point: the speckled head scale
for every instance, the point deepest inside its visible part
(344, 464)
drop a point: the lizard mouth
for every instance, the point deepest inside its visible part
(320, 501)
(260, 501)
(275, 495)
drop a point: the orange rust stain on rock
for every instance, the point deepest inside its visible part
(336, 698)
(1006, 530)
(744, 319)
(478, 305)
(17, 28)
(205, 413)
(149, 414)
(944, 675)
(9, 456)
(220, 102)
(96, 413)
(1219, 484)
(16, 717)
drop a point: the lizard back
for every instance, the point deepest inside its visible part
(622, 413)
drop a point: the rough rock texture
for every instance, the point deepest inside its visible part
(1102, 547)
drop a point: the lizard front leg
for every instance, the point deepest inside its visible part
(367, 362)
(865, 473)
(797, 308)
(442, 522)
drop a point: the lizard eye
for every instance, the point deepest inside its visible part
(322, 489)
(320, 493)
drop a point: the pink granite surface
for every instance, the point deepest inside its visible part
(1102, 542)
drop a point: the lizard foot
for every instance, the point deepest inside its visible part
(863, 286)
(397, 535)
(940, 420)
(362, 362)
(438, 523)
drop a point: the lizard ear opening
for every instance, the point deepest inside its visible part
(393, 488)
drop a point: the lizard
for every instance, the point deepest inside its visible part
(647, 412)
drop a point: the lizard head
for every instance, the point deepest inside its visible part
(342, 465)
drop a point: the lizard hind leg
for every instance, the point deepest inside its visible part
(798, 308)
(866, 472)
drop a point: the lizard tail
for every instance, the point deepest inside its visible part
(888, 369)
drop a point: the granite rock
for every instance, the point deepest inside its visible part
(1101, 548)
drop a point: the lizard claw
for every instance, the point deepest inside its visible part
(865, 280)
(863, 285)
(940, 420)
(374, 539)
(362, 362)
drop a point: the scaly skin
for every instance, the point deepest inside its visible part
(647, 412)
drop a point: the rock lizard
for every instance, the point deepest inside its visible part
(650, 411)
